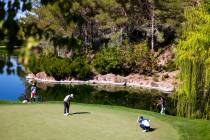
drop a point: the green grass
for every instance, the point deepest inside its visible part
(93, 122)
(9, 102)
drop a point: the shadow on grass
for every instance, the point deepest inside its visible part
(75, 113)
(152, 129)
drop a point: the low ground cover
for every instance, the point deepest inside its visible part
(89, 122)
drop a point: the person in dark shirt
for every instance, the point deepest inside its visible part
(161, 103)
(25, 99)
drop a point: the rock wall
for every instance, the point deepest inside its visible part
(130, 80)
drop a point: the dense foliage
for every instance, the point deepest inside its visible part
(61, 68)
(114, 36)
(193, 57)
(135, 59)
(115, 60)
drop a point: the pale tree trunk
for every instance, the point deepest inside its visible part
(121, 36)
(59, 54)
(152, 29)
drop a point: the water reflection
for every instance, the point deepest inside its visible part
(11, 83)
(9, 66)
(106, 95)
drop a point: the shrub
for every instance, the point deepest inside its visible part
(56, 67)
(170, 66)
(61, 68)
(53, 66)
(80, 68)
(108, 61)
(137, 59)
(123, 61)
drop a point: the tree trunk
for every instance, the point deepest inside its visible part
(152, 29)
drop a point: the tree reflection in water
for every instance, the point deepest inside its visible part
(106, 95)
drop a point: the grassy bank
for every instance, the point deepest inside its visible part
(89, 122)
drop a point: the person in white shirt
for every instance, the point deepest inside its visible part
(66, 103)
(144, 123)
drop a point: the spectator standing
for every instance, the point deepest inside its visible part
(33, 92)
(161, 103)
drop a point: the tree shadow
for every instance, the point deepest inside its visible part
(75, 113)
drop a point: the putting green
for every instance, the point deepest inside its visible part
(88, 122)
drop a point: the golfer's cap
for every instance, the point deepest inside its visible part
(142, 117)
(72, 95)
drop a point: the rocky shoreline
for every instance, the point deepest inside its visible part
(133, 80)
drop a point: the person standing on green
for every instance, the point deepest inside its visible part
(161, 103)
(33, 92)
(66, 103)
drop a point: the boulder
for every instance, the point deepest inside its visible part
(30, 76)
(44, 76)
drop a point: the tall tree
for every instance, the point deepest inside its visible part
(193, 58)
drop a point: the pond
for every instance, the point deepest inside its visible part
(14, 87)
(11, 85)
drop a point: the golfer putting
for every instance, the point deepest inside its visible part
(66, 103)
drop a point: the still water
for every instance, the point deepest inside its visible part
(13, 86)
